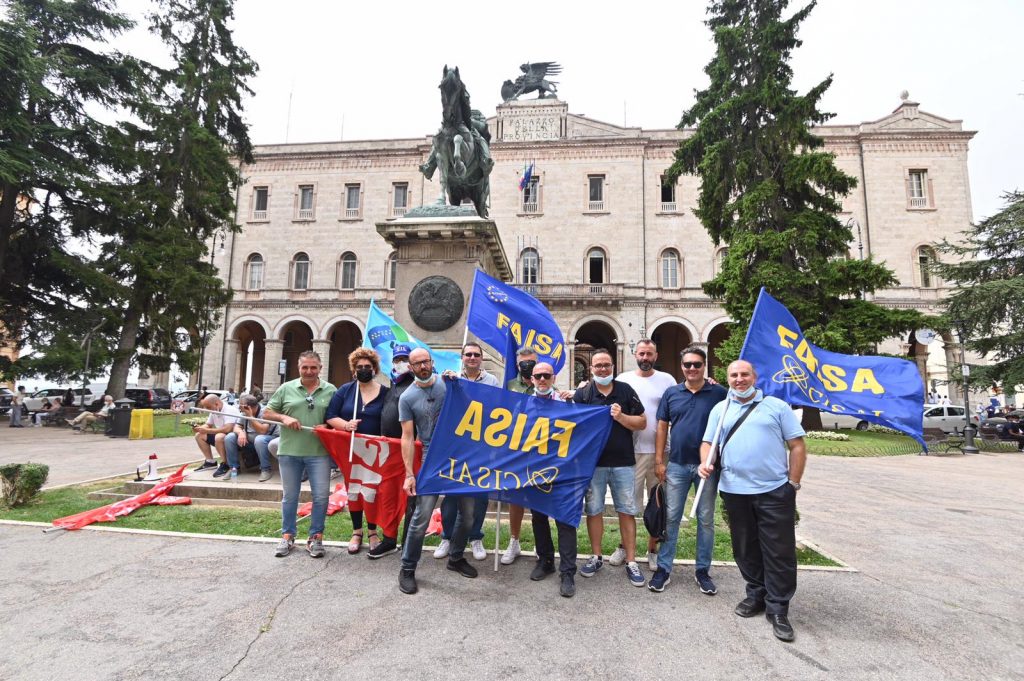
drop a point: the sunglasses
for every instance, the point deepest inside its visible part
(601, 366)
(364, 366)
(309, 401)
(693, 365)
(471, 354)
(544, 376)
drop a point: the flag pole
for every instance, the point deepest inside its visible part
(246, 418)
(712, 456)
(497, 534)
(352, 438)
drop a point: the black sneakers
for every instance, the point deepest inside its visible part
(568, 586)
(221, 471)
(748, 607)
(463, 567)
(386, 547)
(205, 465)
(704, 582)
(541, 570)
(407, 581)
(781, 627)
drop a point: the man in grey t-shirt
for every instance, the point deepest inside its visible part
(418, 408)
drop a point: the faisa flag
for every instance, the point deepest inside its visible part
(497, 309)
(373, 477)
(383, 333)
(515, 448)
(881, 390)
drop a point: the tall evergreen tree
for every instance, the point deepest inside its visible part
(52, 152)
(771, 193)
(179, 190)
(986, 306)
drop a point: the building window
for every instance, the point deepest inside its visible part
(392, 270)
(670, 268)
(926, 259)
(353, 201)
(529, 266)
(348, 271)
(720, 257)
(918, 189)
(300, 272)
(261, 199)
(254, 272)
(595, 192)
(668, 196)
(400, 199)
(596, 266)
(531, 196)
(306, 195)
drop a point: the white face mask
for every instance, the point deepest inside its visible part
(544, 392)
(746, 393)
(603, 380)
(399, 368)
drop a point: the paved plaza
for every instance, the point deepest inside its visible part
(937, 595)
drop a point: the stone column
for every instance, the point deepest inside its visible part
(229, 378)
(272, 355)
(323, 348)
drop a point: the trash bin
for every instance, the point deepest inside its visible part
(141, 425)
(121, 418)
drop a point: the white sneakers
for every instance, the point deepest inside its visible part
(442, 549)
(479, 552)
(618, 557)
(512, 552)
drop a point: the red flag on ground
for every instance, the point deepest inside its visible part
(436, 525)
(374, 476)
(111, 512)
(337, 501)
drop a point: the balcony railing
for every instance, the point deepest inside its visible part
(918, 201)
(532, 207)
(259, 215)
(574, 291)
(595, 205)
(668, 206)
(351, 212)
(305, 214)
(398, 211)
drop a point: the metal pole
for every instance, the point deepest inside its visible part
(88, 351)
(497, 535)
(969, 446)
(712, 457)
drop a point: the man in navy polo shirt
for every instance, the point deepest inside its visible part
(685, 408)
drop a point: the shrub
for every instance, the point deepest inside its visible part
(827, 435)
(873, 428)
(19, 482)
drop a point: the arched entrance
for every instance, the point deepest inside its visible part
(345, 337)
(671, 338)
(718, 335)
(298, 338)
(252, 351)
(591, 336)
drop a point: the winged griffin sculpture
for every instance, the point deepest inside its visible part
(534, 78)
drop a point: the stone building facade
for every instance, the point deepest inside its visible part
(613, 254)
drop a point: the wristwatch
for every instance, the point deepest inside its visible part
(796, 485)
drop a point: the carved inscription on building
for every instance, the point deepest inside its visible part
(531, 128)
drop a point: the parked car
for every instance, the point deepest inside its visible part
(833, 421)
(996, 420)
(149, 398)
(949, 418)
(35, 402)
(189, 396)
(6, 397)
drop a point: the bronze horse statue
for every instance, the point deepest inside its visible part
(461, 148)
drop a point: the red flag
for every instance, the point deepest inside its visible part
(111, 512)
(435, 526)
(335, 502)
(375, 476)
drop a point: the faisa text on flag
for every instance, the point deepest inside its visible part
(542, 343)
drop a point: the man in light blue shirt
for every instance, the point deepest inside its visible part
(759, 480)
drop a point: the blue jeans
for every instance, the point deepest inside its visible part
(231, 449)
(319, 470)
(679, 478)
(412, 547)
(450, 515)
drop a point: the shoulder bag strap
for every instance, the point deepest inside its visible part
(735, 427)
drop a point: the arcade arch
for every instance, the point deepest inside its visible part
(671, 337)
(345, 336)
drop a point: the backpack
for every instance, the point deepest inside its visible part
(656, 514)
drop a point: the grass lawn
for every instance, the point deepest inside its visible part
(865, 443)
(267, 523)
(164, 425)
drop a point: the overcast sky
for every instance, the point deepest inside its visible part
(373, 67)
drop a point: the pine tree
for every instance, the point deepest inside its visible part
(179, 190)
(771, 193)
(986, 305)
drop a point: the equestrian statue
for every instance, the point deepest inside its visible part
(461, 149)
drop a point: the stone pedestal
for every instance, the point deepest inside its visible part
(438, 250)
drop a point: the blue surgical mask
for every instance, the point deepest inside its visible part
(749, 392)
(603, 380)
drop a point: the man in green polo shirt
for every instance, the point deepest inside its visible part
(299, 403)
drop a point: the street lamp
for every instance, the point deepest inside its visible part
(206, 322)
(969, 431)
(87, 342)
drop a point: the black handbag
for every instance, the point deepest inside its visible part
(655, 514)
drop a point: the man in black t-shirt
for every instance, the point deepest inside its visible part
(1011, 430)
(615, 467)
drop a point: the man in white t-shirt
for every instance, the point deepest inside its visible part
(649, 385)
(213, 432)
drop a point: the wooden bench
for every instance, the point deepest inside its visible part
(936, 437)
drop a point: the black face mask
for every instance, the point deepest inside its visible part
(526, 368)
(364, 375)
(646, 365)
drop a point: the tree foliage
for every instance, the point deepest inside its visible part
(988, 269)
(771, 193)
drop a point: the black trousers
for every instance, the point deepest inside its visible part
(546, 549)
(764, 544)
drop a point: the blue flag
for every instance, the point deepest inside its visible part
(383, 333)
(514, 448)
(497, 309)
(881, 390)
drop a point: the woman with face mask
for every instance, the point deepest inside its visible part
(357, 407)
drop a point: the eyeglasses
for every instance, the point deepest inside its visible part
(693, 365)
(309, 401)
(601, 366)
(544, 376)
(421, 363)
(364, 366)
